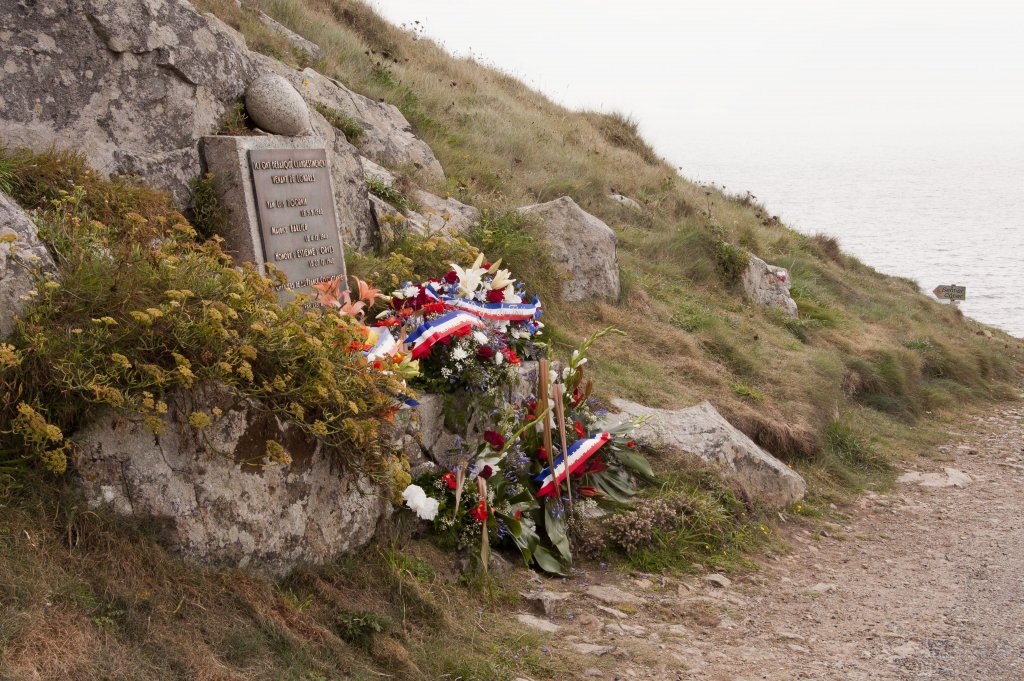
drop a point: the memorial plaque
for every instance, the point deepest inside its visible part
(297, 220)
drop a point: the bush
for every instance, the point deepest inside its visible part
(346, 124)
(204, 206)
(235, 121)
(140, 310)
(731, 261)
(388, 193)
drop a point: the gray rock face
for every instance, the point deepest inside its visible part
(434, 213)
(702, 432)
(625, 201)
(21, 254)
(387, 136)
(769, 286)
(214, 506)
(314, 51)
(584, 246)
(131, 85)
(274, 105)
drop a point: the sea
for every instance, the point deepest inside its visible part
(936, 209)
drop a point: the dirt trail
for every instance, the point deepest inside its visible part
(924, 583)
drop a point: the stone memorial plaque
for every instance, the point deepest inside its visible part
(297, 219)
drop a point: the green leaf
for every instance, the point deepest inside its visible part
(615, 485)
(637, 464)
(556, 531)
(548, 562)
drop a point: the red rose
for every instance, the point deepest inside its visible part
(480, 512)
(511, 356)
(495, 296)
(531, 408)
(486, 473)
(579, 430)
(451, 277)
(484, 352)
(542, 454)
(449, 479)
(631, 444)
(494, 439)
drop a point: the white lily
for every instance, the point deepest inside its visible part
(416, 499)
(481, 337)
(469, 278)
(502, 279)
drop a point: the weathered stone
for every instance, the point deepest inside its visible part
(538, 623)
(583, 246)
(591, 649)
(949, 477)
(228, 158)
(612, 595)
(700, 431)
(274, 105)
(314, 51)
(432, 213)
(625, 201)
(21, 254)
(769, 286)
(387, 137)
(718, 580)
(130, 85)
(546, 602)
(212, 503)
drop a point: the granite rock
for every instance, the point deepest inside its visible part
(701, 432)
(275, 106)
(769, 286)
(22, 254)
(583, 246)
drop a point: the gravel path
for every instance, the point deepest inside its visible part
(924, 583)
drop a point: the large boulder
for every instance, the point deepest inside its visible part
(387, 136)
(131, 85)
(212, 502)
(583, 246)
(769, 286)
(21, 255)
(703, 433)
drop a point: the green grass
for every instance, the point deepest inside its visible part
(339, 120)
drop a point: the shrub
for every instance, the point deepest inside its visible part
(204, 206)
(235, 121)
(388, 193)
(731, 261)
(140, 310)
(341, 121)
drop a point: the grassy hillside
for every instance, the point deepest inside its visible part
(868, 351)
(872, 370)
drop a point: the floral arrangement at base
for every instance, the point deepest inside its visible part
(467, 332)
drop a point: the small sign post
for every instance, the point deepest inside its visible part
(951, 292)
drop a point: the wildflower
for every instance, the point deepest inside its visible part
(161, 407)
(245, 371)
(319, 428)
(55, 461)
(417, 500)
(141, 317)
(217, 412)
(247, 351)
(199, 420)
(121, 360)
(277, 454)
(8, 355)
(154, 424)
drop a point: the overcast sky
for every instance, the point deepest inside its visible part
(755, 70)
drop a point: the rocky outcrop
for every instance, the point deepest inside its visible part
(21, 255)
(387, 136)
(432, 213)
(314, 51)
(769, 286)
(134, 86)
(209, 499)
(625, 201)
(583, 246)
(702, 432)
(131, 85)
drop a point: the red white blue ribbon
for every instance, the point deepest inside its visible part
(578, 453)
(453, 323)
(500, 312)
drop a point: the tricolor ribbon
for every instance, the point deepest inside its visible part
(500, 312)
(578, 453)
(454, 323)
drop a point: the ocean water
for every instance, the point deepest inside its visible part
(938, 211)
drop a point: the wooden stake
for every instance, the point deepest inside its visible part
(560, 411)
(542, 396)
